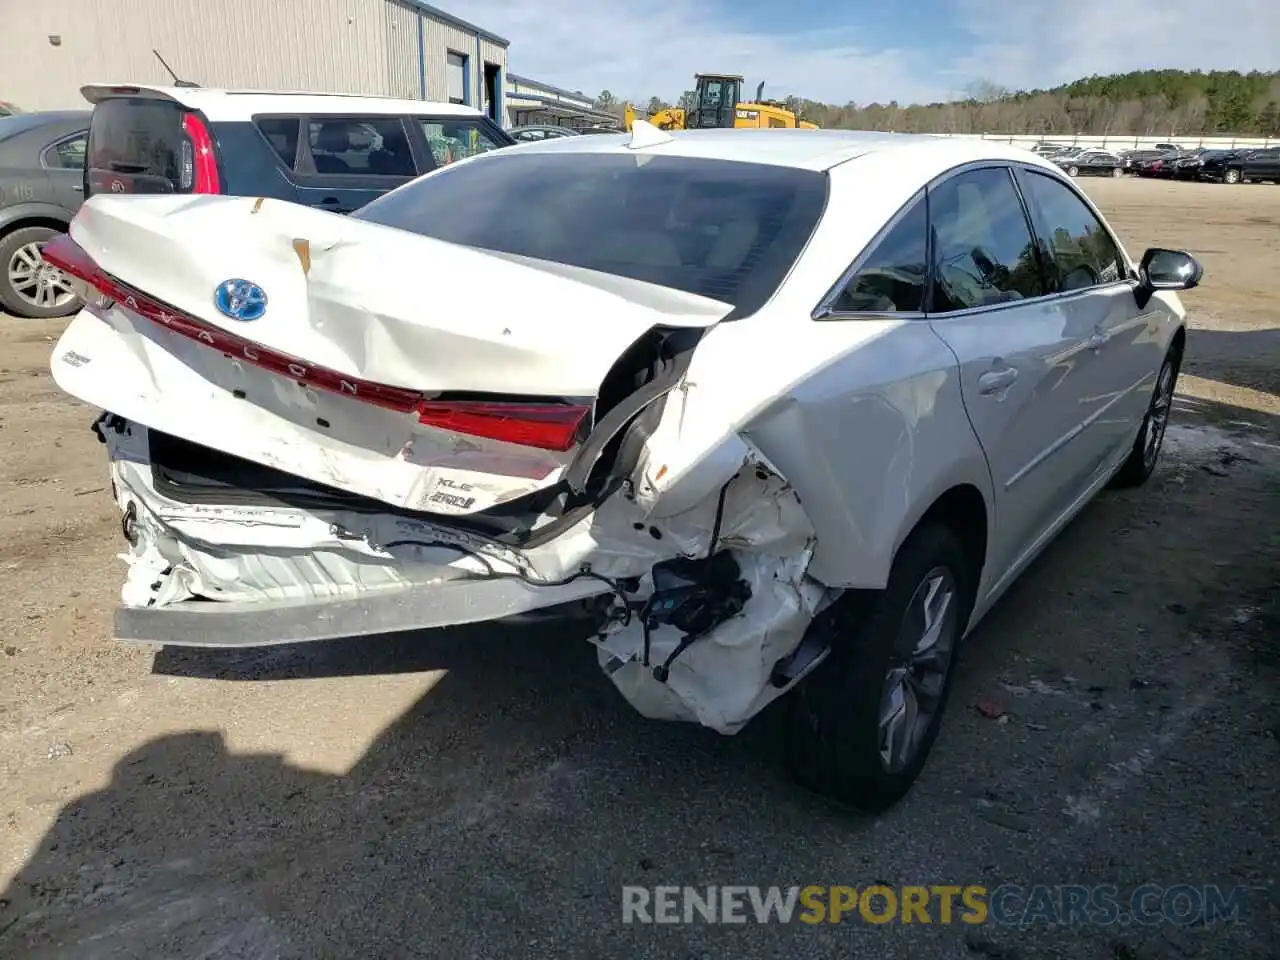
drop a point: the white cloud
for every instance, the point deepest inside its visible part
(1041, 44)
(638, 48)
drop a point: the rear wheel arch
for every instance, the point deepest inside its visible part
(35, 220)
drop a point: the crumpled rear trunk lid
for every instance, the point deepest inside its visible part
(422, 374)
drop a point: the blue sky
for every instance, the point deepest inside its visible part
(869, 51)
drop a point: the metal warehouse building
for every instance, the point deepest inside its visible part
(529, 101)
(402, 48)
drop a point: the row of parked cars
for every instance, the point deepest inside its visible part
(1168, 161)
(328, 151)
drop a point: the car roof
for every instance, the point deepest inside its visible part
(230, 105)
(22, 122)
(801, 149)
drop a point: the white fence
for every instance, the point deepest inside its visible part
(1115, 142)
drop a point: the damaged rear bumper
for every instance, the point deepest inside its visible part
(266, 623)
(698, 615)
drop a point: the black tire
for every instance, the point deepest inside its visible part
(1117, 172)
(1073, 171)
(11, 300)
(834, 729)
(1144, 456)
(1231, 176)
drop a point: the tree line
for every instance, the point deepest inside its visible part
(1142, 103)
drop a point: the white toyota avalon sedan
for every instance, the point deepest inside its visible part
(784, 412)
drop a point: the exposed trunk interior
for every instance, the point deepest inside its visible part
(630, 402)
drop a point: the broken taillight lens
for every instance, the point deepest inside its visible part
(69, 257)
(546, 426)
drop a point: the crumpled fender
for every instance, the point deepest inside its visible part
(724, 677)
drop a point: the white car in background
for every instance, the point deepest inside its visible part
(787, 409)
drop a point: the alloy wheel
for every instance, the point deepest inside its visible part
(918, 668)
(1158, 416)
(37, 282)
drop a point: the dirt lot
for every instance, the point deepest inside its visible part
(486, 793)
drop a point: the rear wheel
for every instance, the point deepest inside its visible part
(1073, 171)
(1141, 462)
(863, 722)
(30, 287)
(1117, 172)
(1231, 176)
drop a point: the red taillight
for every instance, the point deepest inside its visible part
(69, 257)
(203, 174)
(545, 426)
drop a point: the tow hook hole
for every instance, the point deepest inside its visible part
(761, 475)
(638, 525)
(238, 394)
(655, 533)
(322, 422)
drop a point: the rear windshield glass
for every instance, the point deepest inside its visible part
(721, 229)
(134, 146)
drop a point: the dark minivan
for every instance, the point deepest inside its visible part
(332, 151)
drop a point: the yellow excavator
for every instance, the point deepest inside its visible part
(718, 104)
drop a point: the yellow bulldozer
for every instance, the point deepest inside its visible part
(718, 104)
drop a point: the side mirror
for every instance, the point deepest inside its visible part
(1166, 270)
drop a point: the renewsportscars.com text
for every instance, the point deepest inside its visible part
(1008, 904)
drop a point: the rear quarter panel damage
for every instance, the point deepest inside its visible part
(869, 436)
(831, 471)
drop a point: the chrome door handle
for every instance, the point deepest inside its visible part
(997, 381)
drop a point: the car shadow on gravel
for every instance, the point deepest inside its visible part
(1236, 358)
(503, 812)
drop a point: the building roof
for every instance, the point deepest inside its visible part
(575, 94)
(516, 101)
(228, 105)
(458, 22)
(804, 149)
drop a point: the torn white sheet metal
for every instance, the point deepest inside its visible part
(232, 553)
(327, 384)
(722, 680)
(167, 371)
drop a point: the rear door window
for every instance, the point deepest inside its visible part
(282, 134)
(983, 253)
(452, 139)
(359, 147)
(67, 154)
(135, 146)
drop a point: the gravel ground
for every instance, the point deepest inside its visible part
(485, 792)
